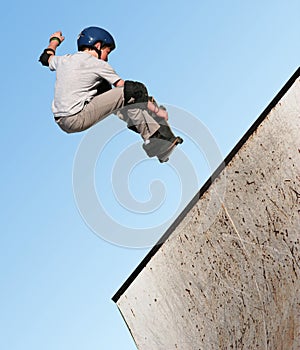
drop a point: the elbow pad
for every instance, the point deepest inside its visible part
(44, 58)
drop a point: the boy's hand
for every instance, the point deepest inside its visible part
(57, 35)
(159, 111)
(162, 113)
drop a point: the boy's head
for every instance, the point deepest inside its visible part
(97, 39)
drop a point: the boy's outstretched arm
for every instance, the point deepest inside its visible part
(55, 40)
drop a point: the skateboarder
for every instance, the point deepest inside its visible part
(88, 89)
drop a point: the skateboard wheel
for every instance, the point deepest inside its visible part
(164, 160)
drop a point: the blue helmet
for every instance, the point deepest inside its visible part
(91, 35)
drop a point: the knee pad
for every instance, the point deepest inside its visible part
(135, 92)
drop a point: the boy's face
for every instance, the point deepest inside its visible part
(104, 53)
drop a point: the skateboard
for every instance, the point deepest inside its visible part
(165, 156)
(163, 144)
(160, 148)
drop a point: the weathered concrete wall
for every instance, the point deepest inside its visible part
(234, 285)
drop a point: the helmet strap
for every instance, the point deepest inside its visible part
(98, 51)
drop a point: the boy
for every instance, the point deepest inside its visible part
(84, 95)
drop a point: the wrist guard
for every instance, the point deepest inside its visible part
(55, 38)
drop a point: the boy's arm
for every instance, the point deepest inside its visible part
(119, 83)
(55, 40)
(160, 112)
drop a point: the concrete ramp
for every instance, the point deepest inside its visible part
(234, 285)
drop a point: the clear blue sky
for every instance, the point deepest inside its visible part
(220, 61)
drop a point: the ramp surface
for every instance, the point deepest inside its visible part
(234, 284)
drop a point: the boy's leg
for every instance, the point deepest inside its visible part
(139, 119)
(113, 101)
(96, 110)
(105, 104)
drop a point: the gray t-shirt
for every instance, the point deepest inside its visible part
(77, 78)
